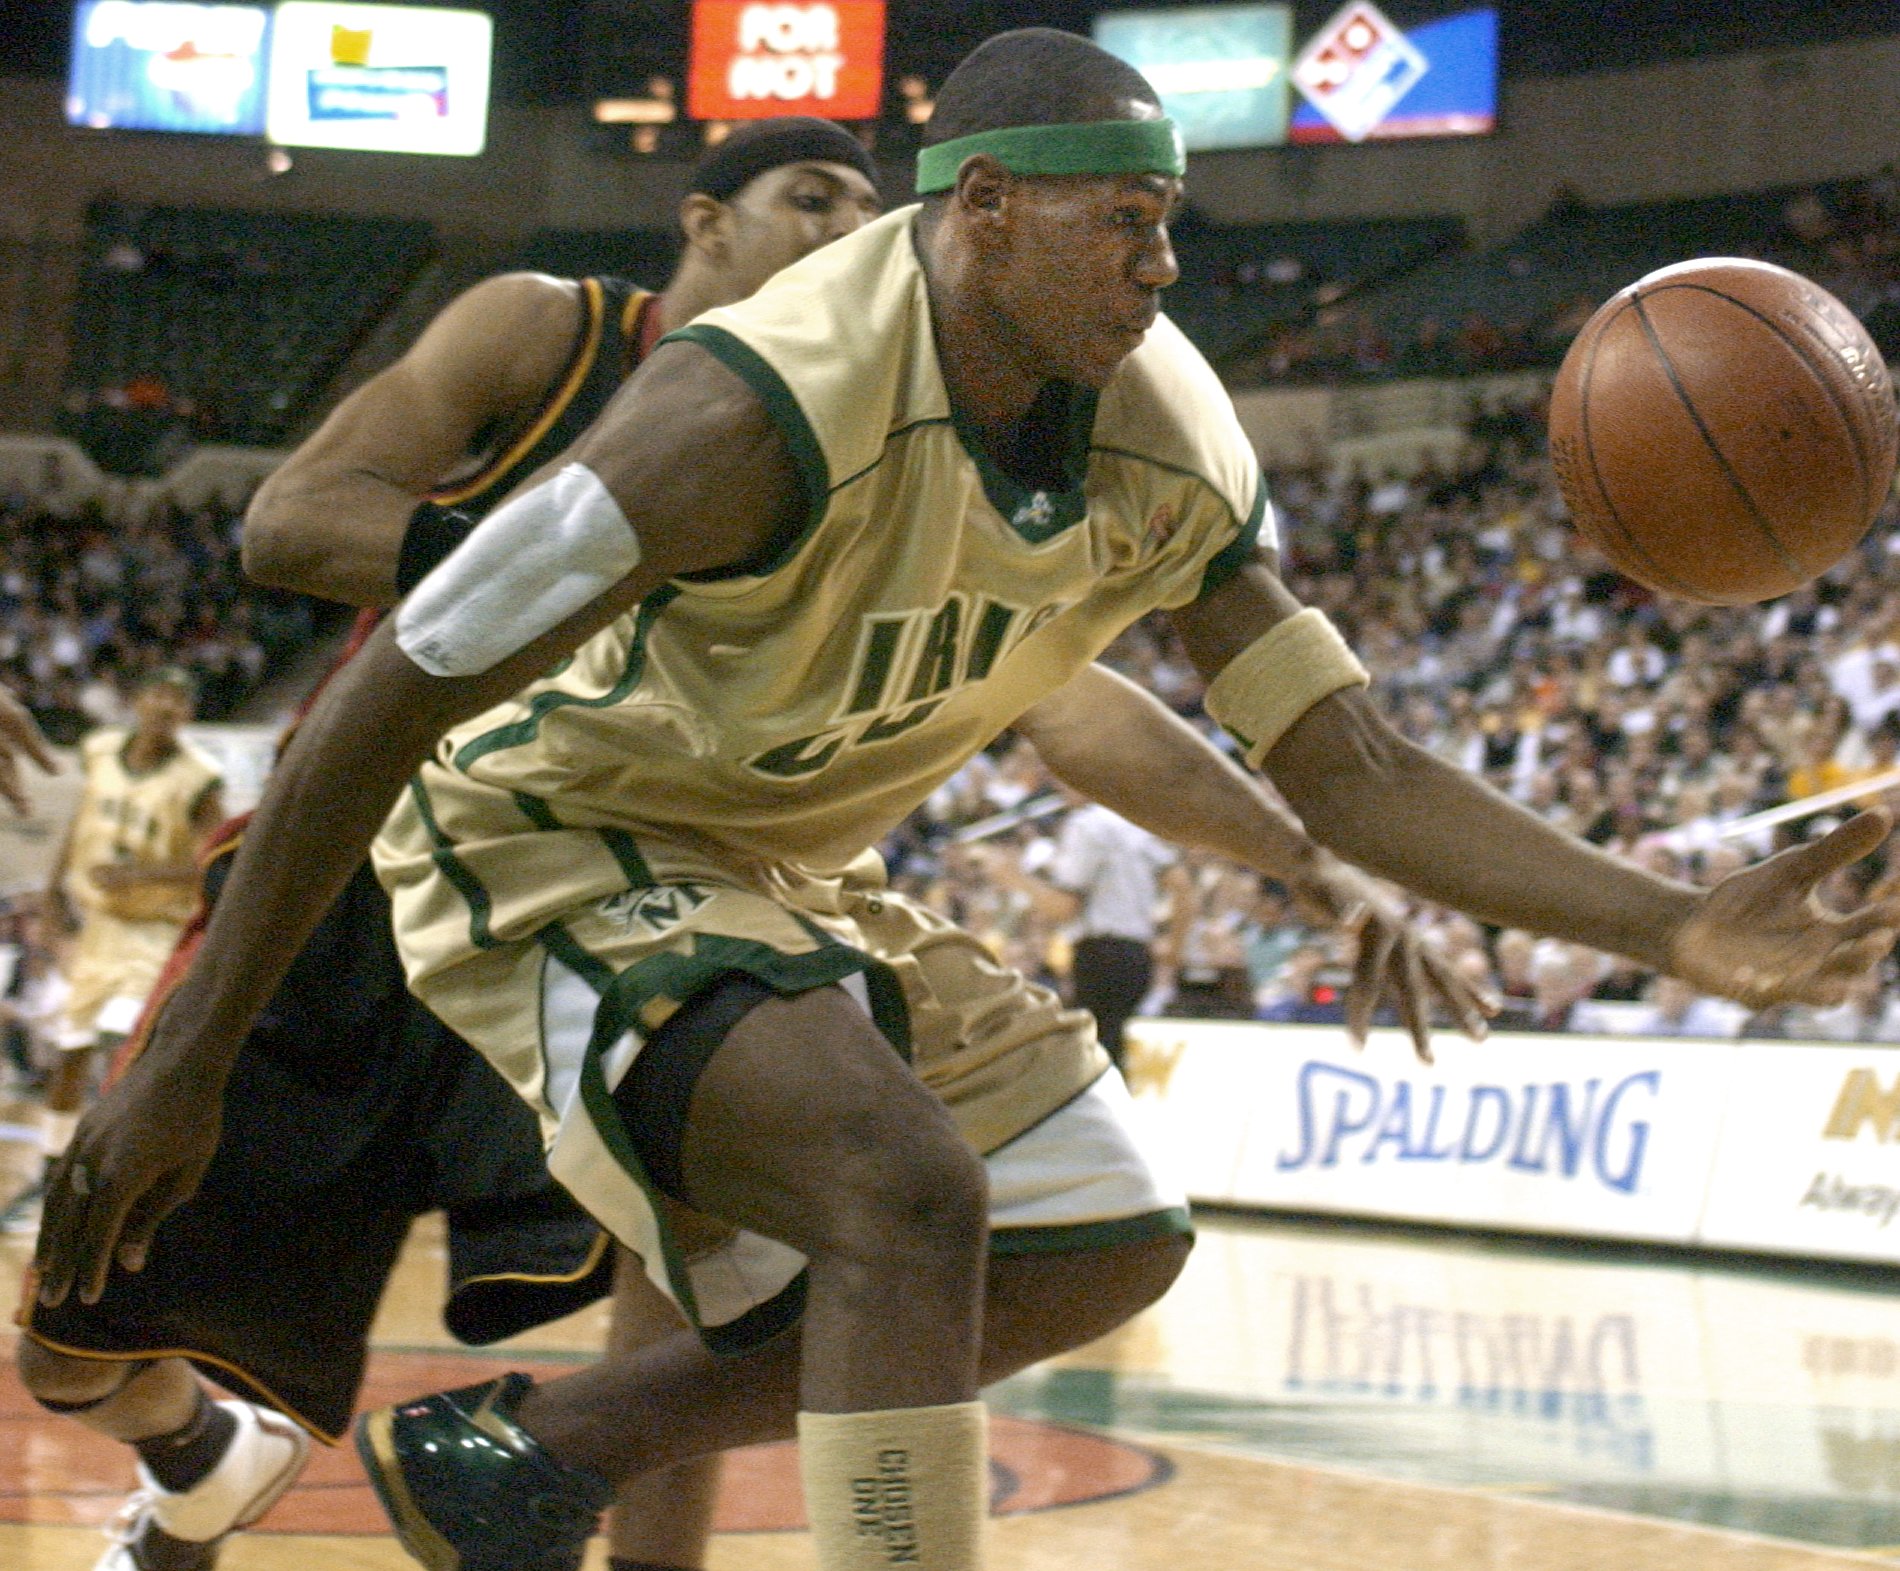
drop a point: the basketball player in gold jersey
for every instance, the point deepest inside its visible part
(125, 883)
(505, 378)
(644, 725)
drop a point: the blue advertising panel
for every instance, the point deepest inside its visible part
(158, 65)
(1364, 77)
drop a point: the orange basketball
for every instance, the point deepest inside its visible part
(1723, 430)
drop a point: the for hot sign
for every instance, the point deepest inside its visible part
(752, 60)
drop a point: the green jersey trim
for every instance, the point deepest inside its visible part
(536, 811)
(518, 733)
(461, 879)
(808, 456)
(1239, 551)
(626, 851)
(1078, 1237)
(1038, 515)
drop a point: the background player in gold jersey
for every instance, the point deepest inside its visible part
(490, 389)
(1004, 344)
(124, 884)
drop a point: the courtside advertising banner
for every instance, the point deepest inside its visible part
(1809, 1162)
(1592, 1136)
(751, 61)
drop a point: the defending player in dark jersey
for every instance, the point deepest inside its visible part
(356, 1110)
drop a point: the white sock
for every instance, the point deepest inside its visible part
(907, 1487)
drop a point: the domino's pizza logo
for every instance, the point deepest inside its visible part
(1357, 68)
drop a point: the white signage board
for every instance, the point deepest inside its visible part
(1809, 1162)
(1596, 1136)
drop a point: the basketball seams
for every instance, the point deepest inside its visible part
(1610, 513)
(1749, 504)
(1843, 409)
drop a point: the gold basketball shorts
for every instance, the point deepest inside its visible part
(564, 1016)
(111, 968)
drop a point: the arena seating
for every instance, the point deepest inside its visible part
(647, 256)
(221, 325)
(1239, 281)
(1520, 302)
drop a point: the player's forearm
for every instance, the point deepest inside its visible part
(336, 535)
(1177, 787)
(1376, 800)
(325, 802)
(1122, 747)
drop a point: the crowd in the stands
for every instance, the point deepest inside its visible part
(96, 593)
(1647, 726)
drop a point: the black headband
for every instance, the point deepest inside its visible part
(769, 144)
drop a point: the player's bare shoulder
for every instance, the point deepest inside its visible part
(519, 328)
(696, 460)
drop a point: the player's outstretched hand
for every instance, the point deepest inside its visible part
(1762, 937)
(19, 736)
(139, 1153)
(1395, 958)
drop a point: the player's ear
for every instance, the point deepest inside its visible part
(707, 223)
(982, 190)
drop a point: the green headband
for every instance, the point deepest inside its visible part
(1093, 147)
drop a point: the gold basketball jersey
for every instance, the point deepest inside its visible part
(143, 818)
(796, 710)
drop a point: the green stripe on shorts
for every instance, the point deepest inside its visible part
(1076, 1238)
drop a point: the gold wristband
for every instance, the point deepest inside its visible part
(1284, 672)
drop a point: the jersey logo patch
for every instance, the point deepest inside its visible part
(1036, 513)
(656, 909)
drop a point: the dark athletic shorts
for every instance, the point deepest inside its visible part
(352, 1111)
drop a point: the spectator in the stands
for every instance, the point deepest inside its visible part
(1676, 1009)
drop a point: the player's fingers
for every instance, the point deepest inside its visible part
(1470, 1005)
(1413, 994)
(10, 787)
(1883, 917)
(1860, 836)
(141, 1222)
(62, 1227)
(1849, 960)
(1368, 980)
(92, 1269)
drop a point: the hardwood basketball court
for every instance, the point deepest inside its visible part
(1309, 1398)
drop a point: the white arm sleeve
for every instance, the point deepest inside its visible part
(525, 569)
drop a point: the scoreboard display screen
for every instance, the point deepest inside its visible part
(379, 78)
(1221, 70)
(305, 73)
(160, 65)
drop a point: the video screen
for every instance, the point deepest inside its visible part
(751, 60)
(1221, 70)
(1364, 76)
(157, 65)
(379, 78)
